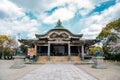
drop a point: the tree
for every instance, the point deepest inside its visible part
(6, 46)
(24, 49)
(112, 48)
(106, 31)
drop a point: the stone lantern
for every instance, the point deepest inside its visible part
(98, 61)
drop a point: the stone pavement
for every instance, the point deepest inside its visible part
(58, 72)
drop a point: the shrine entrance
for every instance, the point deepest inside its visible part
(59, 50)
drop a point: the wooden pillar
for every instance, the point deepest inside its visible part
(35, 49)
(82, 52)
(48, 51)
(79, 51)
(69, 54)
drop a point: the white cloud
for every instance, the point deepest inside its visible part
(91, 31)
(10, 9)
(13, 18)
(69, 8)
(30, 27)
(10, 24)
(43, 5)
(97, 22)
(68, 12)
(63, 14)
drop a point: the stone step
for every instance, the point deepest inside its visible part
(57, 58)
(42, 58)
(75, 58)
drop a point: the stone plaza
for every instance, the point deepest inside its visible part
(58, 71)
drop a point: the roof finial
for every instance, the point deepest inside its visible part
(59, 23)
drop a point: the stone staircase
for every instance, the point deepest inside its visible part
(58, 59)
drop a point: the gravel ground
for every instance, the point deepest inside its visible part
(6, 73)
(111, 73)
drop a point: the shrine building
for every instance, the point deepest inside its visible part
(59, 42)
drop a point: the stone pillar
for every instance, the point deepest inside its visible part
(35, 53)
(48, 51)
(69, 54)
(82, 52)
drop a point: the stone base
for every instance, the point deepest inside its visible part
(99, 63)
(18, 62)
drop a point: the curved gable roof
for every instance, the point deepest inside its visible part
(58, 27)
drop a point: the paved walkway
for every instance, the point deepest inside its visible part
(58, 72)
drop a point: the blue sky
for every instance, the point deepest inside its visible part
(29, 17)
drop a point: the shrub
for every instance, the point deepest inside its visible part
(112, 56)
(117, 57)
(94, 49)
(8, 54)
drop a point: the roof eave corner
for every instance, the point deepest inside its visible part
(20, 40)
(81, 35)
(37, 35)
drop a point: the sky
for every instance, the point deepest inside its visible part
(29, 17)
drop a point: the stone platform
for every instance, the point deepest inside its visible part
(58, 59)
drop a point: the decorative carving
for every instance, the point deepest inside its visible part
(53, 35)
(59, 35)
(64, 35)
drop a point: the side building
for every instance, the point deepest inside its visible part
(59, 42)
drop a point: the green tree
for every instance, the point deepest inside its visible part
(24, 49)
(112, 25)
(6, 44)
(112, 37)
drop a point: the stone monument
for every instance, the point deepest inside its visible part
(98, 61)
(18, 59)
